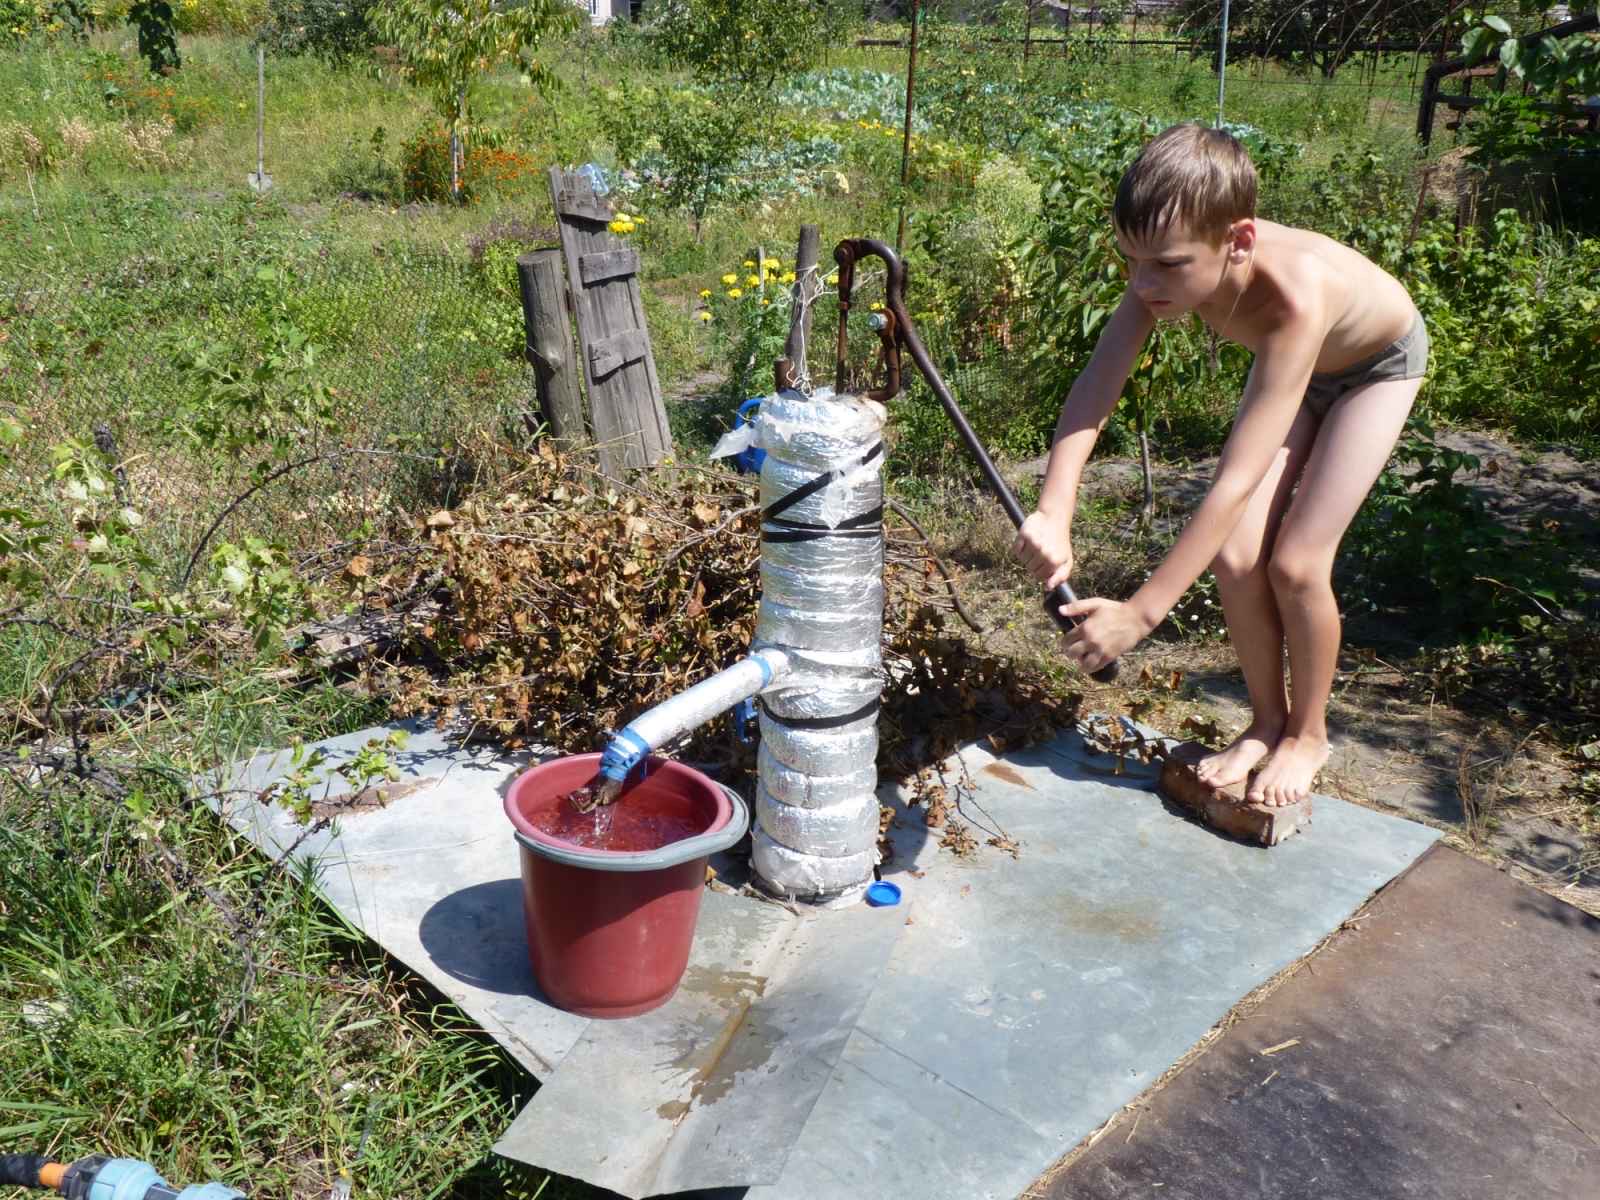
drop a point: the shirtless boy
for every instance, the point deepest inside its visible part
(1340, 351)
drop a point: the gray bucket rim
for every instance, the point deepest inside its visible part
(702, 845)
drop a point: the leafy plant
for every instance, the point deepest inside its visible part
(446, 44)
(750, 312)
(333, 30)
(749, 43)
(1425, 542)
(263, 590)
(364, 171)
(158, 35)
(702, 138)
(264, 406)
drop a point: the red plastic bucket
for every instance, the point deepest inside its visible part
(609, 932)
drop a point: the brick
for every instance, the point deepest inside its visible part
(1226, 808)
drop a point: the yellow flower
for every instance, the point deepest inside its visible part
(749, 262)
(734, 293)
(704, 316)
(730, 279)
(764, 303)
(752, 280)
(833, 280)
(770, 262)
(786, 277)
(705, 293)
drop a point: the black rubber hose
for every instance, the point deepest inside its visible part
(22, 1170)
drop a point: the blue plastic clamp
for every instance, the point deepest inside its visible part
(750, 458)
(744, 713)
(625, 751)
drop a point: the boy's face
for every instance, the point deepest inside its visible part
(1172, 270)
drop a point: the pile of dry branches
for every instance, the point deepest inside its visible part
(568, 604)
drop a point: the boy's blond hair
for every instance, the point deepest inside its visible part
(1189, 173)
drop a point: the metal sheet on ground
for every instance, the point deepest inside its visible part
(1024, 1001)
(434, 878)
(712, 1089)
(1029, 1000)
(1442, 1050)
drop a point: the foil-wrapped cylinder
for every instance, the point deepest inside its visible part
(816, 828)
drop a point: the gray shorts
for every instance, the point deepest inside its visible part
(1406, 358)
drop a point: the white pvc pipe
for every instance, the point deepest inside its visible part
(690, 709)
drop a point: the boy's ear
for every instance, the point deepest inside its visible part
(1241, 239)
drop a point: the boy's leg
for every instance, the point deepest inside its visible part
(1251, 609)
(1352, 447)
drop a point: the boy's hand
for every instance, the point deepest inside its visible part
(1044, 546)
(1107, 629)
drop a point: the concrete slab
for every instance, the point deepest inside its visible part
(1022, 1003)
(1444, 1049)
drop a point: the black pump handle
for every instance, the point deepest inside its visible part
(845, 254)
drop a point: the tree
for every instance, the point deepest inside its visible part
(446, 43)
(1314, 33)
(158, 37)
(747, 43)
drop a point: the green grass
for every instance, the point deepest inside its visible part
(251, 1040)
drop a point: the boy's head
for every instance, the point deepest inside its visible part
(1187, 179)
(1185, 216)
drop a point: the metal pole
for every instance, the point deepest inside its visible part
(905, 146)
(1222, 64)
(261, 111)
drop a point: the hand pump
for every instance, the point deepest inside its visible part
(895, 329)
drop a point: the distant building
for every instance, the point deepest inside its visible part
(601, 11)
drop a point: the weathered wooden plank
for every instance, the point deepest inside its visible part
(608, 264)
(585, 205)
(608, 353)
(626, 413)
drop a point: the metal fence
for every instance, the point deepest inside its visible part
(414, 348)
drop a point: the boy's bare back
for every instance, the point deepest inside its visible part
(1364, 307)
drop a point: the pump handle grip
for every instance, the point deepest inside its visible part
(1062, 594)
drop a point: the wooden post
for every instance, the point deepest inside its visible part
(619, 371)
(547, 325)
(792, 366)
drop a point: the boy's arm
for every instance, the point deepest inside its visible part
(1276, 389)
(1046, 535)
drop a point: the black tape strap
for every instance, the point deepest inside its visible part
(863, 525)
(866, 710)
(821, 481)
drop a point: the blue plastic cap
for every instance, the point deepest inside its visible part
(883, 895)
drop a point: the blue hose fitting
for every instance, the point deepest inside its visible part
(99, 1178)
(622, 754)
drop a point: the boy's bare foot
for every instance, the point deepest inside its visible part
(1234, 764)
(1286, 779)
